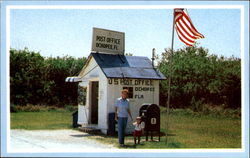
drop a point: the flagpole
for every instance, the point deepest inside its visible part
(169, 77)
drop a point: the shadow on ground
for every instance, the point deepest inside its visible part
(81, 135)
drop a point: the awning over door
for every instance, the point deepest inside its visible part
(73, 79)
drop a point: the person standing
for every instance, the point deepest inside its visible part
(122, 110)
(139, 129)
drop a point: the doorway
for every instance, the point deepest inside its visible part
(94, 102)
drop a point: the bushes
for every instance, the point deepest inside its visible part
(207, 111)
(29, 108)
(38, 80)
(42, 108)
(26, 77)
(199, 78)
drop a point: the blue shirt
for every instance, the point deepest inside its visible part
(122, 107)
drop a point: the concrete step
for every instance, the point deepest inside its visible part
(90, 130)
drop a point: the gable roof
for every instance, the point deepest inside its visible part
(120, 66)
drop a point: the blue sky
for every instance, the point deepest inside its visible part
(59, 32)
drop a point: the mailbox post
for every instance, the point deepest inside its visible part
(150, 114)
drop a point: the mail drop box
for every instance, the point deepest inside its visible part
(150, 114)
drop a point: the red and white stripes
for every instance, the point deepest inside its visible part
(185, 28)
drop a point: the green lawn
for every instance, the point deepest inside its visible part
(41, 120)
(190, 131)
(186, 130)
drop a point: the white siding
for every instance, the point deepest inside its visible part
(102, 109)
(91, 72)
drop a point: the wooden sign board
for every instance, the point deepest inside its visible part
(108, 41)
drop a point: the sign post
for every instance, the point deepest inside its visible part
(108, 41)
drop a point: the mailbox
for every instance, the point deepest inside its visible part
(150, 114)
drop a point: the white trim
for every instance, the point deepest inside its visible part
(8, 75)
(124, 6)
(131, 7)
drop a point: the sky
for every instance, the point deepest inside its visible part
(60, 32)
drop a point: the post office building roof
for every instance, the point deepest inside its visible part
(121, 66)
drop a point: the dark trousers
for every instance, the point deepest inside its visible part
(122, 123)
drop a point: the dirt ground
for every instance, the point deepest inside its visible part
(54, 141)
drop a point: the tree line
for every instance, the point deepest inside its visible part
(35, 79)
(198, 78)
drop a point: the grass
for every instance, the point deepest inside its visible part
(199, 131)
(186, 129)
(129, 142)
(38, 108)
(41, 120)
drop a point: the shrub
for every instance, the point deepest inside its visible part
(13, 108)
(37, 108)
(71, 108)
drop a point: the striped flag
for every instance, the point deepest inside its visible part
(185, 28)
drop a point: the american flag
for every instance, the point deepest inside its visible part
(185, 28)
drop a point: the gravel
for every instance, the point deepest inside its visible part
(54, 141)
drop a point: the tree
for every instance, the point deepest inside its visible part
(26, 76)
(198, 77)
(38, 80)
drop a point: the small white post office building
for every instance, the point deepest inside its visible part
(101, 81)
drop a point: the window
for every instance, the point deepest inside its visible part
(130, 91)
(82, 92)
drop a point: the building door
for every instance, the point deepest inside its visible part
(94, 102)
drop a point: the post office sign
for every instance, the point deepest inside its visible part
(108, 41)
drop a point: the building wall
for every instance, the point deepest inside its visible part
(90, 73)
(103, 99)
(90, 65)
(142, 93)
